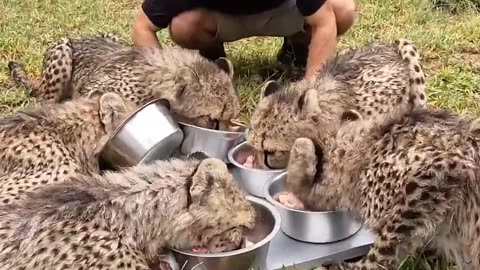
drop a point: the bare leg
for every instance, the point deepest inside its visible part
(196, 29)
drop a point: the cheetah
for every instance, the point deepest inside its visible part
(373, 80)
(51, 143)
(121, 220)
(199, 91)
(413, 179)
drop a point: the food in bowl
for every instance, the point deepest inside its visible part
(200, 250)
(289, 200)
(249, 162)
(250, 177)
(163, 265)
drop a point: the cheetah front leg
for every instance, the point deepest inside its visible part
(56, 74)
(404, 228)
(303, 166)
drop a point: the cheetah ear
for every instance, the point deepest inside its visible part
(225, 65)
(269, 88)
(351, 115)
(208, 171)
(113, 111)
(308, 101)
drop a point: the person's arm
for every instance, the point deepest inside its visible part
(153, 16)
(323, 38)
(144, 32)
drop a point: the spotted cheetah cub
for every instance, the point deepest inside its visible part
(198, 90)
(52, 143)
(371, 81)
(413, 180)
(123, 220)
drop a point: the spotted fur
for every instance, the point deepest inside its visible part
(198, 90)
(51, 143)
(369, 82)
(123, 220)
(413, 179)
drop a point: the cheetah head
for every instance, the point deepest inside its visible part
(205, 95)
(218, 209)
(283, 115)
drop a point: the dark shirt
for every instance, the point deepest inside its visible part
(161, 12)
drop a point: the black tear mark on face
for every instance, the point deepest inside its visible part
(319, 165)
(181, 91)
(188, 185)
(301, 101)
(266, 154)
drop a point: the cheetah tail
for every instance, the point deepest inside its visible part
(408, 52)
(19, 75)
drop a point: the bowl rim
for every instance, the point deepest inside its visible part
(238, 165)
(214, 130)
(276, 228)
(124, 122)
(270, 199)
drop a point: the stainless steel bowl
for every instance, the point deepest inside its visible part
(254, 257)
(311, 226)
(251, 180)
(214, 143)
(150, 133)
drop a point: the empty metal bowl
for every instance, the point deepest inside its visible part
(150, 133)
(251, 180)
(214, 143)
(254, 257)
(311, 226)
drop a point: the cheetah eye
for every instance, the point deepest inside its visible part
(181, 91)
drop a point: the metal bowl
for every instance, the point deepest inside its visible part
(254, 257)
(150, 133)
(214, 143)
(251, 180)
(311, 226)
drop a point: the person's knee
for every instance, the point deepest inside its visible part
(191, 29)
(346, 13)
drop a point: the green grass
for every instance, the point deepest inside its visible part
(449, 44)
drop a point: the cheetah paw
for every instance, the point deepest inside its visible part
(302, 163)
